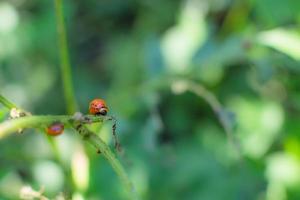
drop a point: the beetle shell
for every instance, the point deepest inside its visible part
(55, 129)
(98, 107)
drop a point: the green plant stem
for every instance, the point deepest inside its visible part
(217, 107)
(183, 85)
(54, 147)
(64, 58)
(100, 145)
(58, 156)
(65, 67)
(7, 103)
(52, 142)
(115, 163)
(11, 126)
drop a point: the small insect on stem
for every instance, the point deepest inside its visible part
(55, 129)
(114, 127)
(99, 107)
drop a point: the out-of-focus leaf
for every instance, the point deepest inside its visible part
(285, 41)
(181, 42)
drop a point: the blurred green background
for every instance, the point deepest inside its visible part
(138, 55)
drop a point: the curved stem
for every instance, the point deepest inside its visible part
(216, 106)
(7, 103)
(64, 58)
(181, 85)
(101, 147)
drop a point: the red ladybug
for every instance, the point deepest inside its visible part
(98, 107)
(55, 129)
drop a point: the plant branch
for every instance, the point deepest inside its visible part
(100, 145)
(64, 58)
(7, 103)
(11, 126)
(22, 113)
(216, 106)
(201, 91)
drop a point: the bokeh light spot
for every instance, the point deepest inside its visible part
(9, 17)
(49, 175)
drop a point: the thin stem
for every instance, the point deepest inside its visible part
(11, 126)
(64, 58)
(54, 147)
(7, 103)
(217, 107)
(58, 157)
(101, 147)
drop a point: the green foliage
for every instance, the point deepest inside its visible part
(145, 58)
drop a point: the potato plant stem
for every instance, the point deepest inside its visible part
(36, 121)
(102, 148)
(64, 58)
(13, 125)
(6, 102)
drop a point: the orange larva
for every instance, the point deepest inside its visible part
(98, 107)
(55, 129)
